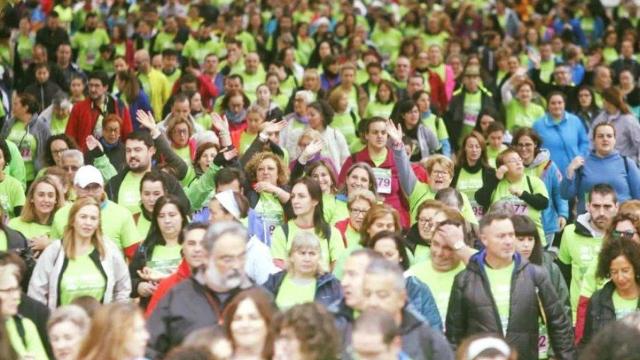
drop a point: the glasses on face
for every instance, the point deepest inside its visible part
(59, 151)
(628, 234)
(112, 130)
(438, 173)
(423, 221)
(357, 211)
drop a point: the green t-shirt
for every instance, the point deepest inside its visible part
(378, 159)
(439, 283)
(129, 193)
(199, 50)
(519, 116)
(29, 230)
(472, 107)
(246, 139)
(500, 283)
(143, 227)
(334, 210)
(610, 55)
(492, 154)
(331, 249)
(436, 125)
(623, 307)
(27, 144)
(88, 46)
(163, 41)
(4, 244)
(291, 294)
(388, 42)
(269, 210)
(346, 123)
(590, 282)
(379, 109)
(58, 125)
(579, 251)
(420, 254)
(520, 207)
(116, 222)
(165, 259)
(468, 183)
(422, 192)
(11, 195)
(33, 342)
(81, 277)
(204, 119)
(24, 46)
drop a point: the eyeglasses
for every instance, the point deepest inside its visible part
(439, 173)
(622, 234)
(59, 151)
(112, 130)
(357, 211)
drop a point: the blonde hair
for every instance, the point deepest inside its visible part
(71, 313)
(68, 236)
(441, 160)
(177, 120)
(28, 213)
(306, 240)
(111, 327)
(311, 134)
(362, 194)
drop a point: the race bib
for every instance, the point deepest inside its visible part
(478, 210)
(520, 209)
(25, 151)
(383, 180)
(470, 119)
(91, 57)
(543, 342)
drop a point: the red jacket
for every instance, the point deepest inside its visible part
(208, 91)
(84, 116)
(395, 199)
(183, 272)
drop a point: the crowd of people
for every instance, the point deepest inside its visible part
(319, 180)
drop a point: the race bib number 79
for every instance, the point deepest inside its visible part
(383, 180)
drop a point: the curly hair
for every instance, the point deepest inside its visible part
(614, 247)
(251, 168)
(314, 328)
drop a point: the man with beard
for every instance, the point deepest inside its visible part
(140, 147)
(582, 240)
(200, 300)
(87, 115)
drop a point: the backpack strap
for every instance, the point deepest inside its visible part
(285, 229)
(529, 183)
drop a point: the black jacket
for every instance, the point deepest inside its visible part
(328, 289)
(454, 117)
(116, 155)
(187, 307)
(38, 313)
(570, 91)
(44, 93)
(419, 340)
(472, 309)
(600, 312)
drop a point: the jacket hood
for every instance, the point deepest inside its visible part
(543, 156)
(584, 228)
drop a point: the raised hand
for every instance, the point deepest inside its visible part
(274, 127)
(93, 143)
(394, 132)
(146, 119)
(575, 164)
(311, 150)
(220, 123)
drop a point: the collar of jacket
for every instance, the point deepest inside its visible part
(479, 259)
(410, 320)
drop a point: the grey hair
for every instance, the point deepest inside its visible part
(219, 229)
(387, 268)
(450, 197)
(72, 313)
(73, 153)
(306, 240)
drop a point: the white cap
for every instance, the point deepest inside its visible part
(88, 175)
(228, 201)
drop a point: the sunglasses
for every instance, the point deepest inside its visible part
(623, 234)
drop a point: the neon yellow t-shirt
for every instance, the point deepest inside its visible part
(334, 210)
(468, 183)
(11, 195)
(129, 193)
(27, 144)
(291, 294)
(500, 283)
(81, 278)
(472, 107)
(439, 283)
(143, 227)
(331, 249)
(4, 244)
(165, 259)
(623, 307)
(33, 346)
(29, 230)
(422, 192)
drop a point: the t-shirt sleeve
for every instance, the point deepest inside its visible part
(336, 246)
(278, 244)
(129, 232)
(34, 343)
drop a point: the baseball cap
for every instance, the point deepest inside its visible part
(88, 175)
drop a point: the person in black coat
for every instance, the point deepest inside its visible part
(619, 260)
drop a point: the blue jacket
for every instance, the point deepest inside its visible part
(549, 173)
(421, 299)
(611, 170)
(564, 140)
(140, 103)
(328, 289)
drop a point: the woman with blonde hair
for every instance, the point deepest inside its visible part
(379, 217)
(82, 263)
(67, 327)
(117, 332)
(305, 279)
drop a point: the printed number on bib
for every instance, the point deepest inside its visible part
(383, 180)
